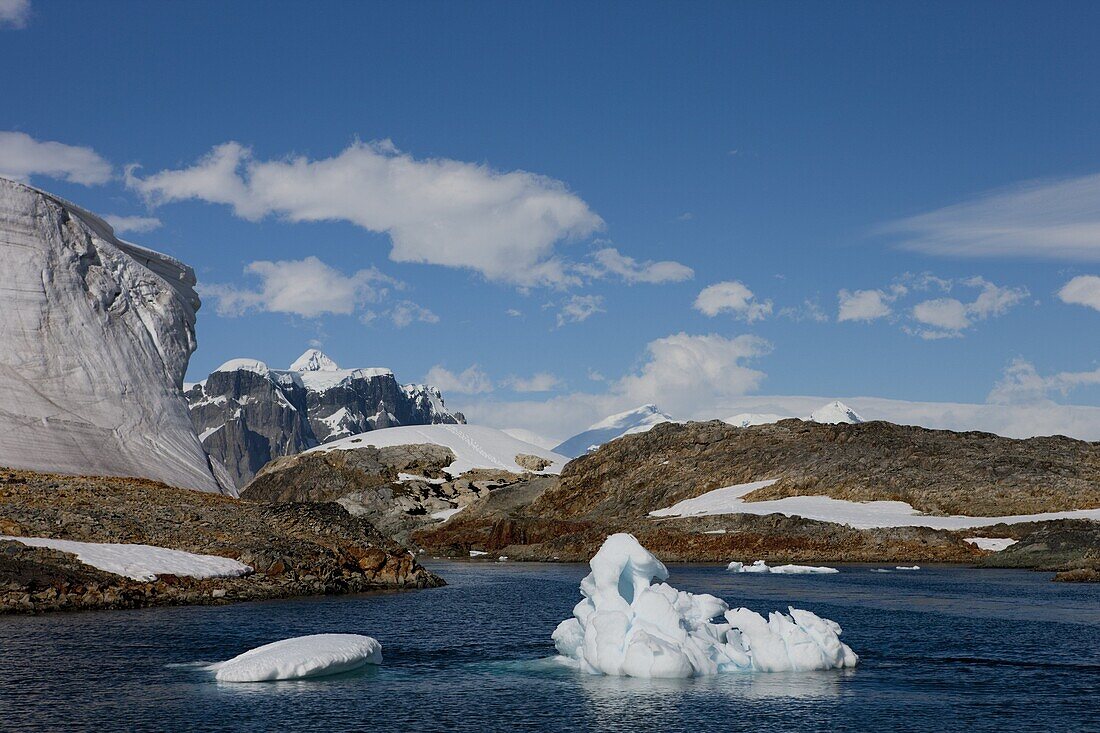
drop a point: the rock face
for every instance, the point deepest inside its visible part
(397, 488)
(295, 549)
(95, 336)
(247, 414)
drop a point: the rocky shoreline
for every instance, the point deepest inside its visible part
(294, 549)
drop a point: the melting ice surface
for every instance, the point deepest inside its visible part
(762, 567)
(302, 656)
(627, 627)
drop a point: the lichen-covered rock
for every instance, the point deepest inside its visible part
(531, 462)
(96, 334)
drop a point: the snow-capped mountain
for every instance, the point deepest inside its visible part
(247, 413)
(835, 412)
(638, 420)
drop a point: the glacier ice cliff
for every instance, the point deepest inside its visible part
(95, 336)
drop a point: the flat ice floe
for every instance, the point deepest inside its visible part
(302, 656)
(762, 567)
(857, 514)
(142, 562)
(625, 626)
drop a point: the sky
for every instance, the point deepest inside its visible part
(555, 211)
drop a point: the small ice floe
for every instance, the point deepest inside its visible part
(761, 567)
(502, 558)
(907, 567)
(316, 655)
(627, 627)
(993, 544)
(477, 553)
(881, 570)
(142, 562)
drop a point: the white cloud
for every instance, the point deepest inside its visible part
(406, 312)
(579, 308)
(435, 211)
(685, 373)
(539, 382)
(863, 305)
(732, 297)
(132, 224)
(471, 380)
(1082, 290)
(1044, 219)
(610, 261)
(21, 157)
(1022, 384)
(514, 313)
(14, 13)
(949, 317)
(810, 310)
(307, 288)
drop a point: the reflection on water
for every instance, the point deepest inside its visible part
(1000, 650)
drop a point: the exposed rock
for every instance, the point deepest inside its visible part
(936, 471)
(1080, 575)
(96, 334)
(532, 463)
(295, 549)
(1064, 544)
(247, 413)
(397, 488)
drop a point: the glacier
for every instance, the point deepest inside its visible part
(96, 336)
(299, 657)
(625, 626)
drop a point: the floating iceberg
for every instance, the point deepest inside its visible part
(627, 627)
(907, 567)
(302, 656)
(761, 567)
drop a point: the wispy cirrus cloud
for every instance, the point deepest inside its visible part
(1046, 219)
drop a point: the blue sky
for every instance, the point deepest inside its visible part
(511, 156)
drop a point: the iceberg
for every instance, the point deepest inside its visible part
(299, 657)
(625, 626)
(761, 567)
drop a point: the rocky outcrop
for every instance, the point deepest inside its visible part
(95, 336)
(1063, 545)
(530, 462)
(247, 414)
(397, 488)
(295, 548)
(936, 471)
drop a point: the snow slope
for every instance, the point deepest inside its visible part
(625, 626)
(474, 446)
(834, 412)
(315, 655)
(861, 515)
(530, 436)
(748, 419)
(638, 420)
(142, 562)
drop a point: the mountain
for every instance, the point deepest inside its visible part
(247, 413)
(835, 413)
(748, 419)
(95, 336)
(638, 420)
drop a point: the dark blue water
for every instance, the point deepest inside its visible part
(942, 649)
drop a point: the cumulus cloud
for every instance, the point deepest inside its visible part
(1042, 219)
(863, 305)
(132, 224)
(1082, 290)
(306, 287)
(577, 308)
(504, 225)
(14, 13)
(1021, 383)
(471, 380)
(21, 157)
(406, 312)
(609, 261)
(732, 297)
(538, 382)
(950, 317)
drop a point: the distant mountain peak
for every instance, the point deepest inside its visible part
(636, 420)
(836, 412)
(314, 360)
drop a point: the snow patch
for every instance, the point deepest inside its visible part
(993, 544)
(245, 365)
(142, 562)
(627, 627)
(861, 515)
(445, 514)
(299, 657)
